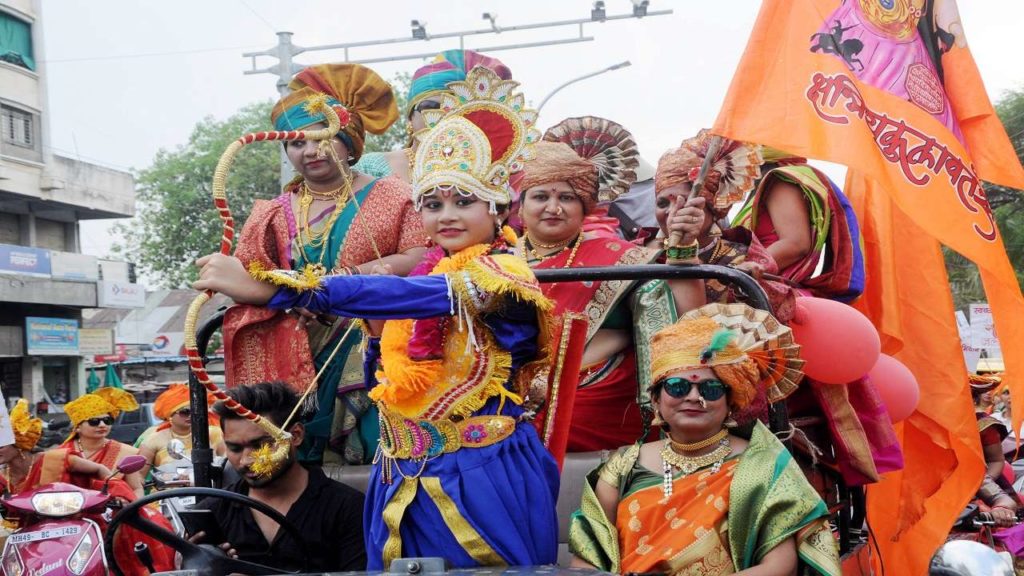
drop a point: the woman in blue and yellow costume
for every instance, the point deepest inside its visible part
(460, 473)
(334, 218)
(708, 499)
(429, 83)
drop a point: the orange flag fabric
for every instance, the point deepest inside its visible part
(889, 88)
(913, 312)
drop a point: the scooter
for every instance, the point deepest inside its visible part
(59, 534)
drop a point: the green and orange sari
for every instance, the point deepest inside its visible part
(713, 523)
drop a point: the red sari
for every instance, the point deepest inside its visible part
(606, 412)
(263, 345)
(54, 466)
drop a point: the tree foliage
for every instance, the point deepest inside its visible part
(175, 221)
(1008, 207)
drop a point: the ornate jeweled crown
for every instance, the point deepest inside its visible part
(478, 138)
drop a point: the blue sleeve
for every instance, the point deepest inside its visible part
(371, 297)
(514, 326)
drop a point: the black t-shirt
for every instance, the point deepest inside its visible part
(328, 514)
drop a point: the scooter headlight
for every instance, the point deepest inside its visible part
(57, 503)
(79, 559)
(13, 565)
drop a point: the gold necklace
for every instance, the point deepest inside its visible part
(533, 242)
(318, 239)
(528, 245)
(684, 447)
(78, 444)
(690, 464)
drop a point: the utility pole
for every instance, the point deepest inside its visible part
(285, 51)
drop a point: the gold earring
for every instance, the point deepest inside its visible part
(730, 422)
(657, 421)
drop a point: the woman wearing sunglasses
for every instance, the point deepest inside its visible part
(711, 497)
(21, 475)
(92, 417)
(173, 407)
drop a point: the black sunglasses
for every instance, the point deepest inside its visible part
(108, 420)
(680, 387)
(186, 412)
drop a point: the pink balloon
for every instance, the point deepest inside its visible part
(838, 343)
(897, 387)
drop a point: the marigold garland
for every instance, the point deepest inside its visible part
(404, 378)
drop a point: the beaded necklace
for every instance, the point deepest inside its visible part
(528, 247)
(672, 460)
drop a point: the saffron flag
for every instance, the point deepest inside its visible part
(889, 88)
(915, 318)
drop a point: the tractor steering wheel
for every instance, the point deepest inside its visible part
(206, 559)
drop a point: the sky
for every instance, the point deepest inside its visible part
(128, 78)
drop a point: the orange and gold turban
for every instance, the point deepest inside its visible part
(557, 162)
(748, 350)
(597, 157)
(104, 401)
(981, 383)
(733, 172)
(356, 91)
(27, 430)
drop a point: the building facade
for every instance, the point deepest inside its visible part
(45, 281)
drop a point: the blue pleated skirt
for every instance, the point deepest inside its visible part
(505, 494)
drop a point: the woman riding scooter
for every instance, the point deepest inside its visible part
(63, 465)
(18, 459)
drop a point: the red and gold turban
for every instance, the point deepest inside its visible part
(597, 157)
(358, 94)
(733, 172)
(747, 349)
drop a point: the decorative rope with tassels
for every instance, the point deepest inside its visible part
(268, 458)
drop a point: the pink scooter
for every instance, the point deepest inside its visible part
(57, 537)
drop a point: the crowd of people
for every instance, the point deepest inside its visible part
(432, 249)
(433, 347)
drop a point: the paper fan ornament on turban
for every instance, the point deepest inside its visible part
(606, 144)
(765, 340)
(736, 167)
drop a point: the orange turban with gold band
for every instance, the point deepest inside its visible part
(175, 398)
(747, 349)
(102, 402)
(27, 430)
(597, 157)
(733, 172)
(356, 91)
(171, 400)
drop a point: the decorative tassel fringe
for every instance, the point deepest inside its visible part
(299, 280)
(508, 275)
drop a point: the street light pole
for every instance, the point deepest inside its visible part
(584, 77)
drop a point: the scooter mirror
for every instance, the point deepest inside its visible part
(968, 558)
(131, 464)
(176, 449)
